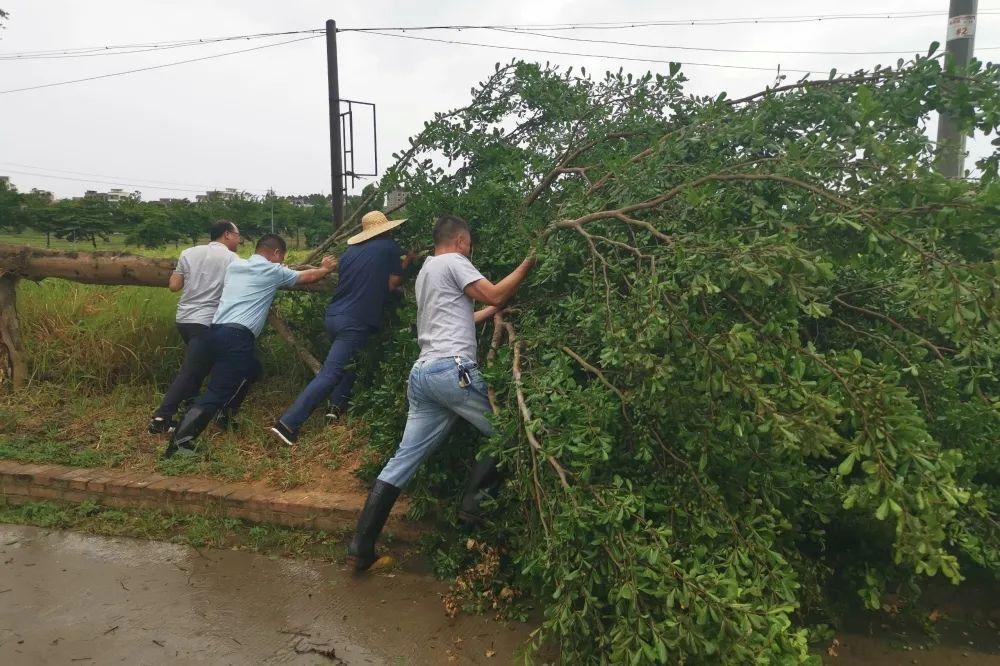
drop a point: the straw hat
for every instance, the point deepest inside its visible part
(373, 224)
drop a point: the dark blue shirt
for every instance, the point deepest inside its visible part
(363, 285)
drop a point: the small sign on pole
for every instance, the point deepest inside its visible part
(961, 27)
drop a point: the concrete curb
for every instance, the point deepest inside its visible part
(330, 512)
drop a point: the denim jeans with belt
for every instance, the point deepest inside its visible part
(348, 337)
(436, 402)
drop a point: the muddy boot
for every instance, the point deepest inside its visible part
(484, 481)
(361, 552)
(182, 442)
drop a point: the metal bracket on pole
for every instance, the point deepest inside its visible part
(347, 137)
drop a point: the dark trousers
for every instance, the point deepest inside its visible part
(334, 380)
(194, 369)
(235, 368)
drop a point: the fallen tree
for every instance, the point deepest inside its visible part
(754, 368)
(104, 268)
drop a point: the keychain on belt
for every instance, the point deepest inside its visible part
(464, 380)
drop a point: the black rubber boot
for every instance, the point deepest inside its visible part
(195, 420)
(361, 552)
(484, 481)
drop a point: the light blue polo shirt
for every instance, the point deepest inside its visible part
(249, 290)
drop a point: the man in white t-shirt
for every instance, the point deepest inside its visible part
(199, 276)
(444, 383)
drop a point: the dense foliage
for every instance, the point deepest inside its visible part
(755, 364)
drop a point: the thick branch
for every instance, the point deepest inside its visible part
(286, 334)
(860, 78)
(892, 322)
(596, 371)
(526, 412)
(563, 162)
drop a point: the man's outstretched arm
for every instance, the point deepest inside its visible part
(327, 266)
(498, 294)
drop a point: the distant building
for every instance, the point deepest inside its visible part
(218, 195)
(114, 195)
(42, 195)
(166, 201)
(395, 199)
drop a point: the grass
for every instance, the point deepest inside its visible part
(193, 530)
(99, 360)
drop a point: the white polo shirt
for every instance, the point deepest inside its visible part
(203, 268)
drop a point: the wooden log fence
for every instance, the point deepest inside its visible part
(20, 262)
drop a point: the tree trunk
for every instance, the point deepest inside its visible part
(13, 361)
(48, 240)
(97, 267)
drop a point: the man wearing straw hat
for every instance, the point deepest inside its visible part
(369, 269)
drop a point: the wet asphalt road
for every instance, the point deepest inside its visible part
(79, 599)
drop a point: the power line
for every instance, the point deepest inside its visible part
(124, 49)
(616, 25)
(152, 67)
(712, 50)
(126, 183)
(595, 25)
(102, 182)
(586, 55)
(117, 179)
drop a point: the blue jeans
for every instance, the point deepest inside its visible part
(334, 380)
(436, 402)
(236, 366)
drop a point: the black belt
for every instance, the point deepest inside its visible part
(238, 327)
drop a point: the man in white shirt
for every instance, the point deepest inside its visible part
(199, 276)
(445, 382)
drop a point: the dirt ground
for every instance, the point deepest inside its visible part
(70, 598)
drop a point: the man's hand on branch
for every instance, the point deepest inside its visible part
(408, 260)
(529, 261)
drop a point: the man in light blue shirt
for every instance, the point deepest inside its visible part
(246, 298)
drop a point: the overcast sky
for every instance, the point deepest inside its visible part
(258, 120)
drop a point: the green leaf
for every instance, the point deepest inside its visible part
(847, 465)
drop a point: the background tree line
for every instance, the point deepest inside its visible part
(155, 224)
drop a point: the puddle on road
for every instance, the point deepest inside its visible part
(100, 600)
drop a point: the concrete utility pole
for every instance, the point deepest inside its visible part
(960, 40)
(336, 147)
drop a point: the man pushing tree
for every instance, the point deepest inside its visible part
(445, 383)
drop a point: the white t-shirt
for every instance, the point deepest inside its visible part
(203, 268)
(445, 324)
